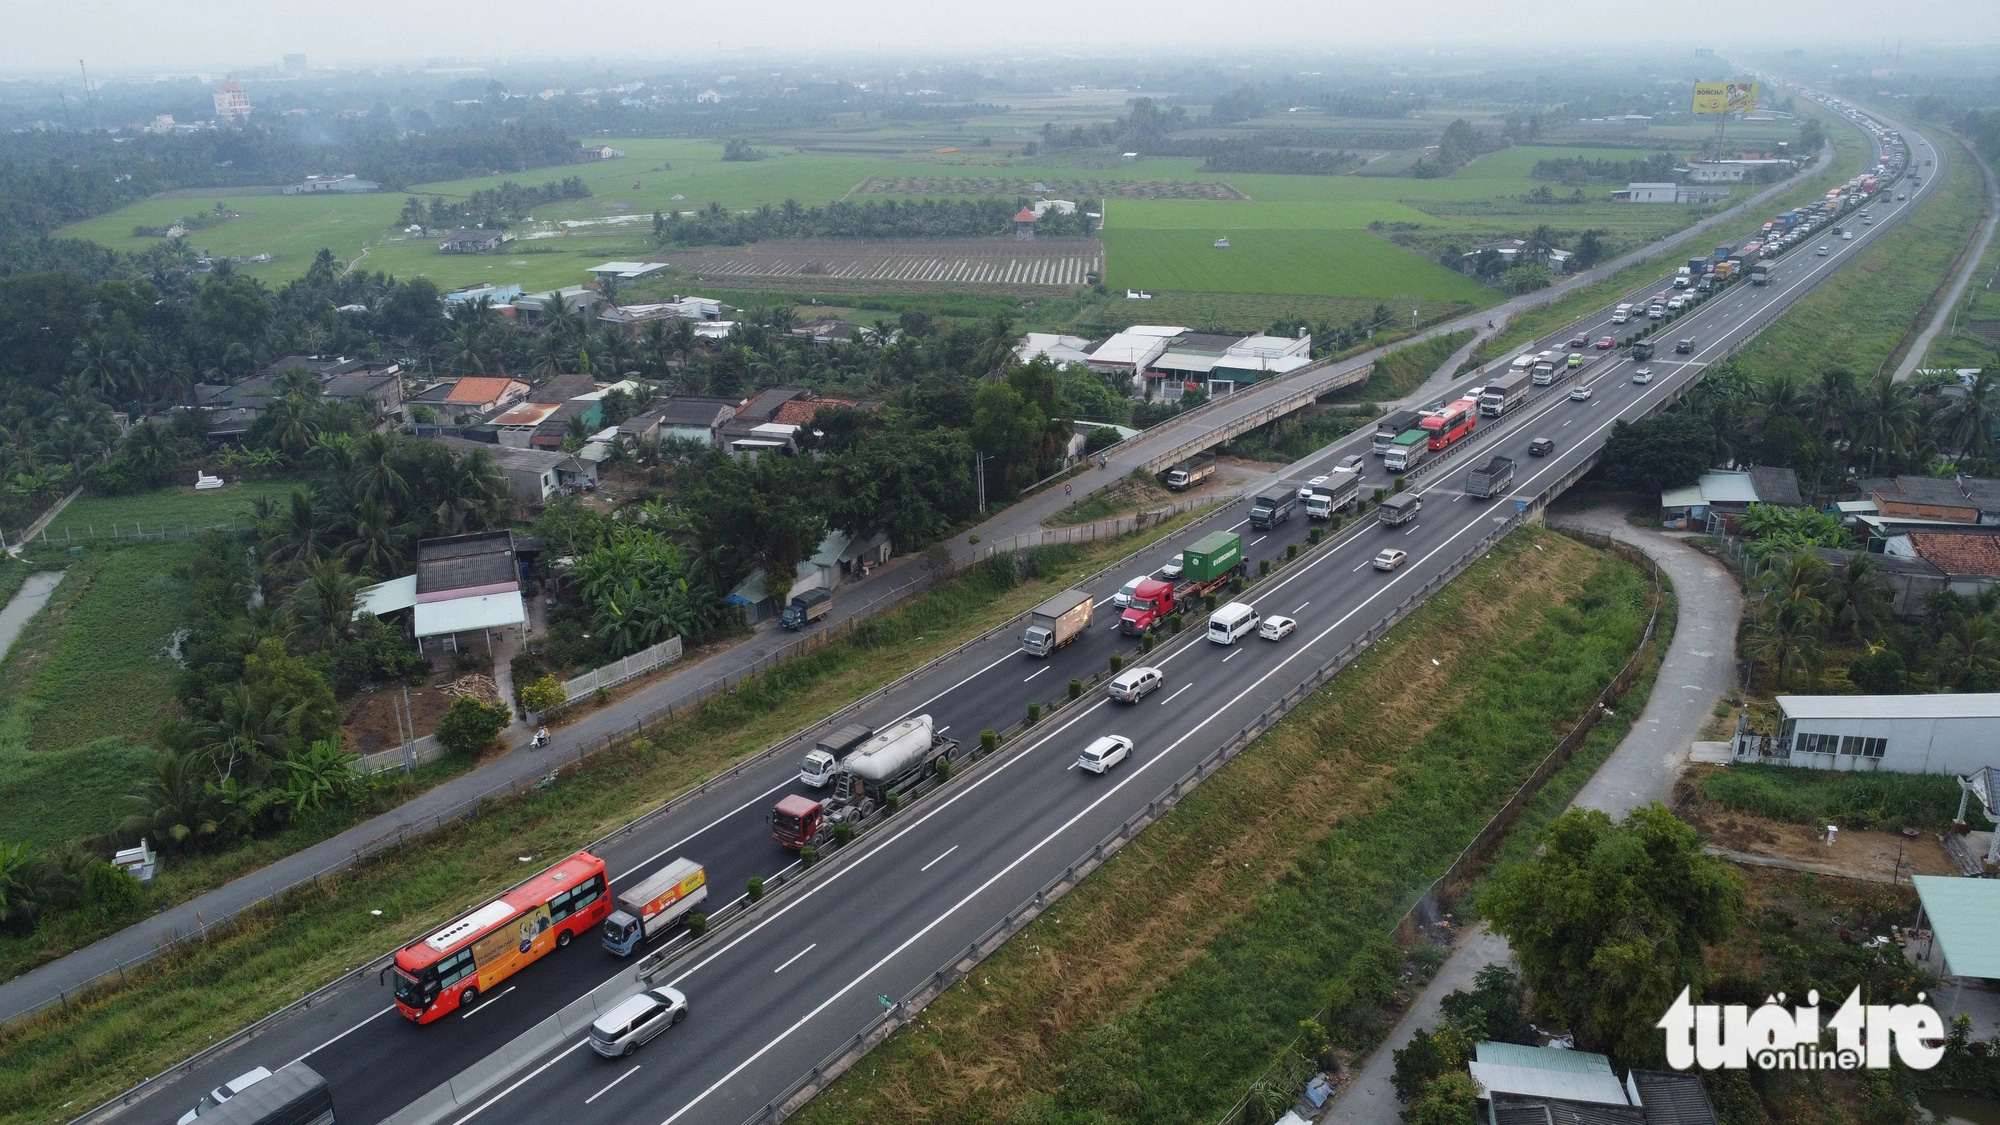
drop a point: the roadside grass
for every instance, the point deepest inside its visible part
(1405, 369)
(60, 1061)
(1299, 435)
(13, 572)
(1859, 317)
(1239, 312)
(1850, 152)
(1164, 983)
(1136, 491)
(1980, 306)
(1855, 799)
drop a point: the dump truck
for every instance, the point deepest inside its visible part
(896, 759)
(1056, 622)
(1206, 567)
(1274, 505)
(1504, 394)
(1400, 508)
(1393, 425)
(1761, 273)
(1339, 490)
(1186, 474)
(822, 762)
(806, 608)
(654, 905)
(1409, 451)
(1491, 479)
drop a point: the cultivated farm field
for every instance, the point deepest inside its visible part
(1352, 263)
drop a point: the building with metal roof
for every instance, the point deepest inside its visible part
(1722, 494)
(1898, 733)
(1521, 1085)
(1961, 917)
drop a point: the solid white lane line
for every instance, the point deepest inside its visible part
(939, 859)
(613, 1082)
(809, 948)
(489, 1002)
(343, 1035)
(1175, 695)
(520, 1082)
(1032, 675)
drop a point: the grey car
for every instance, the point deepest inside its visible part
(634, 1023)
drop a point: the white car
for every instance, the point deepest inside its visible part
(1825, 250)
(1106, 752)
(1123, 597)
(223, 1093)
(1173, 566)
(1474, 392)
(1641, 375)
(1306, 489)
(634, 1023)
(1276, 628)
(1352, 464)
(1390, 559)
(1579, 394)
(1134, 684)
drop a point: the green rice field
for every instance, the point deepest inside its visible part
(1327, 262)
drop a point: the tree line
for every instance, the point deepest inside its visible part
(494, 208)
(716, 225)
(1583, 170)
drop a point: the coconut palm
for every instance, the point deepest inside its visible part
(1859, 601)
(1969, 421)
(1969, 653)
(375, 543)
(1882, 418)
(375, 474)
(297, 535)
(323, 605)
(292, 425)
(297, 382)
(172, 805)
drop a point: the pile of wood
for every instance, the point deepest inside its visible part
(475, 685)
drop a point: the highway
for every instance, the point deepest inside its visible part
(772, 996)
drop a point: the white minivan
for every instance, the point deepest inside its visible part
(1230, 622)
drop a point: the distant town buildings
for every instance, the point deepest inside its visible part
(232, 101)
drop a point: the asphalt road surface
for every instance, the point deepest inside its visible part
(776, 995)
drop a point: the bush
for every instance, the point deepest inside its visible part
(944, 771)
(809, 855)
(755, 890)
(112, 893)
(1034, 713)
(1401, 482)
(1820, 797)
(1292, 549)
(989, 739)
(1316, 534)
(1117, 663)
(545, 694)
(1380, 495)
(892, 801)
(1208, 602)
(472, 725)
(843, 833)
(1174, 622)
(1075, 688)
(697, 925)
(1333, 523)
(1264, 565)
(1146, 643)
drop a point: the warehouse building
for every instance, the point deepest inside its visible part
(1899, 733)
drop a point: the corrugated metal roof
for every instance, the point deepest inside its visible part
(1529, 1081)
(1964, 914)
(1728, 488)
(1544, 1058)
(464, 615)
(1687, 497)
(387, 597)
(1970, 705)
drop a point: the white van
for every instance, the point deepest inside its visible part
(1522, 362)
(1621, 314)
(1230, 622)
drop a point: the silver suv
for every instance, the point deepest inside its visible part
(630, 1025)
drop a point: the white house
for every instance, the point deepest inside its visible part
(1899, 733)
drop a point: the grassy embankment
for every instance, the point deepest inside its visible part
(1405, 369)
(1850, 155)
(1167, 981)
(1394, 376)
(257, 964)
(1861, 315)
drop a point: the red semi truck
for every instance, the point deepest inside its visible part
(1205, 568)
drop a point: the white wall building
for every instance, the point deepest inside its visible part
(1900, 733)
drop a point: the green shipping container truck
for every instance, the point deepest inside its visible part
(1213, 556)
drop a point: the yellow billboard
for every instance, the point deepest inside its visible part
(1725, 97)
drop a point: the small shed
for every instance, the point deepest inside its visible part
(1024, 225)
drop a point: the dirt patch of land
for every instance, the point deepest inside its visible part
(1855, 853)
(993, 264)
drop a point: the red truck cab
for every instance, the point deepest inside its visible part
(797, 821)
(1151, 603)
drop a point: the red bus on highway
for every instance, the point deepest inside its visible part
(1452, 423)
(476, 951)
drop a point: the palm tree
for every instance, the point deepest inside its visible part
(292, 425)
(1786, 639)
(102, 365)
(172, 804)
(375, 474)
(150, 447)
(249, 728)
(1784, 397)
(1882, 419)
(323, 605)
(656, 343)
(1969, 421)
(1969, 653)
(467, 349)
(1859, 601)
(375, 545)
(1831, 400)
(297, 382)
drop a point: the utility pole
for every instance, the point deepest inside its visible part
(979, 478)
(89, 102)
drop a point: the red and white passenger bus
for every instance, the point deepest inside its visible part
(1452, 423)
(476, 951)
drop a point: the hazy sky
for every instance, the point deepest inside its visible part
(126, 35)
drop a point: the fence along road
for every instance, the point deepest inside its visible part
(915, 895)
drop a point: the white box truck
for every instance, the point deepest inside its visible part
(654, 904)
